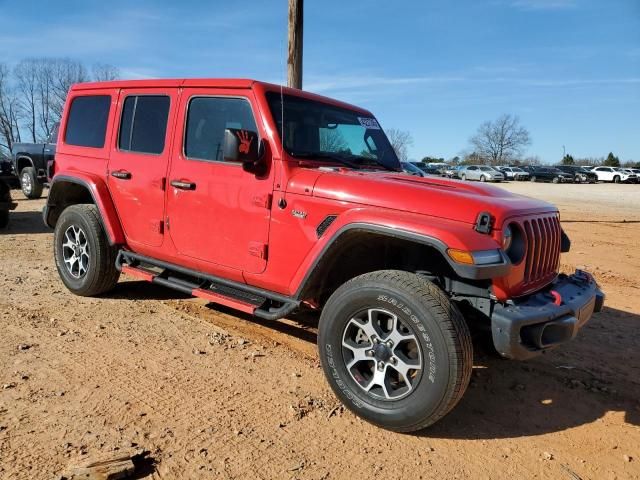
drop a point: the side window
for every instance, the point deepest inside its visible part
(87, 121)
(472, 168)
(143, 126)
(207, 118)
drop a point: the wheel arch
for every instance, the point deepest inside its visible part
(360, 248)
(69, 190)
(23, 161)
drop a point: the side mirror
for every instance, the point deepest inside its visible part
(245, 147)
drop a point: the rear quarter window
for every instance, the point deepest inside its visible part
(87, 121)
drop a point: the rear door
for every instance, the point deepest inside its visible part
(138, 161)
(217, 212)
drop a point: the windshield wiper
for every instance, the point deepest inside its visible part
(326, 156)
(374, 160)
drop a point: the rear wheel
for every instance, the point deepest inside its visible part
(483, 178)
(395, 350)
(29, 183)
(84, 258)
(463, 177)
(556, 180)
(533, 178)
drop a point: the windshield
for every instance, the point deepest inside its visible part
(321, 131)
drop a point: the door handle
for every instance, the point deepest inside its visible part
(183, 185)
(121, 174)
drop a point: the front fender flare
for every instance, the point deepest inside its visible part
(99, 192)
(440, 234)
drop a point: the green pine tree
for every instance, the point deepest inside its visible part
(612, 160)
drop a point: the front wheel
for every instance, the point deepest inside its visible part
(616, 179)
(533, 178)
(84, 258)
(463, 177)
(483, 178)
(395, 350)
(29, 183)
(556, 180)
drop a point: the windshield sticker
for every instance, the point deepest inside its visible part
(369, 123)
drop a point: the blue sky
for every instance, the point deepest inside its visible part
(570, 69)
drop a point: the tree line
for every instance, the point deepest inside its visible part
(502, 141)
(33, 92)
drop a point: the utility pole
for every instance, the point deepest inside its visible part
(294, 60)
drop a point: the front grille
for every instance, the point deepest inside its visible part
(543, 236)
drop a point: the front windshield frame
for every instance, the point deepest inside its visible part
(383, 156)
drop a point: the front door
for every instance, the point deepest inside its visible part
(217, 212)
(138, 162)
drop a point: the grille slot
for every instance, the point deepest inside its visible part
(543, 248)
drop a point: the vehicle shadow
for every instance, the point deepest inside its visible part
(25, 223)
(142, 290)
(597, 373)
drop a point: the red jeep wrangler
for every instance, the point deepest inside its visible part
(271, 200)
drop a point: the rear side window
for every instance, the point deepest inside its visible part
(207, 118)
(87, 121)
(143, 127)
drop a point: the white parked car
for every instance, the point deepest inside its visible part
(514, 173)
(632, 173)
(611, 174)
(482, 173)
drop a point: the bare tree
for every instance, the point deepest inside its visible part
(501, 140)
(103, 72)
(27, 79)
(9, 111)
(66, 72)
(400, 140)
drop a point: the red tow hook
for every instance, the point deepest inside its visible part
(557, 298)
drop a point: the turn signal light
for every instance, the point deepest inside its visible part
(461, 256)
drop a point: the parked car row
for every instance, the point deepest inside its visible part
(533, 173)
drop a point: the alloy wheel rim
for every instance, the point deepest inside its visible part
(382, 355)
(75, 251)
(26, 183)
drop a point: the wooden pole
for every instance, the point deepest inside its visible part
(294, 60)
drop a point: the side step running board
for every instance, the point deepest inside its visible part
(239, 296)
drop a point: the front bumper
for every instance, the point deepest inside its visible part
(527, 327)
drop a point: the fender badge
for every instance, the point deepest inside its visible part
(298, 213)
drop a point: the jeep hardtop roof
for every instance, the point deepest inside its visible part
(230, 83)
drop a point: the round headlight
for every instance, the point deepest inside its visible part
(507, 236)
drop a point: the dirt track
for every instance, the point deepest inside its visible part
(211, 395)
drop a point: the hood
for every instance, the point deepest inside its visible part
(433, 196)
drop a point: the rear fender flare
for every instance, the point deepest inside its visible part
(99, 192)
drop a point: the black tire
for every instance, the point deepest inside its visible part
(556, 180)
(533, 178)
(437, 328)
(101, 274)
(29, 183)
(463, 177)
(616, 179)
(483, 178)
